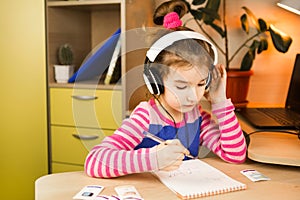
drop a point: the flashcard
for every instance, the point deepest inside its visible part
(254, 175)
(128, 192)
(106, 197)
(89, 192)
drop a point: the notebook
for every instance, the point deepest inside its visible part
(195, 178)
(281, 118)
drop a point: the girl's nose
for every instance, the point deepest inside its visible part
(192, 96)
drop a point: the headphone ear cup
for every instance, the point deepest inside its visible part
(208, 80)
(153, 81)
(148, 81)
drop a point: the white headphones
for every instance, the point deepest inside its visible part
(152, 79)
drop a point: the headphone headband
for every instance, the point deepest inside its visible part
(172, 37)
(152, 79)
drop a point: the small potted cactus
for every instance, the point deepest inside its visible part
(65, 69)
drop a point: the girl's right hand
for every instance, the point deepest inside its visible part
(217, 88)
(170, 154)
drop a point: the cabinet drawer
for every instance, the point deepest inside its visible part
(67, 147)
(86, 108)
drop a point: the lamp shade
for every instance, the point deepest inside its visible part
(290, 5)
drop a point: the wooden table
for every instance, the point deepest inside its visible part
(284, 183)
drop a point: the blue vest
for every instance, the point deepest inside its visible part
(189, 135)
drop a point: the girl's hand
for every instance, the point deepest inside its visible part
(217, 89)
(170, 154)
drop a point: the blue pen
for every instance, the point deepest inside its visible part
(161, 141)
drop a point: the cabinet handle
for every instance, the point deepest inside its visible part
(84, 98)
(86, 137)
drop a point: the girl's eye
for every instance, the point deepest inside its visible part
(181, 87)
(201, 84)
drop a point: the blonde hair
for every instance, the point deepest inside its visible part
(182, 53)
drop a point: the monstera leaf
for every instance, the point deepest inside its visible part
(252, 17)
(208, 14)
(280, 40)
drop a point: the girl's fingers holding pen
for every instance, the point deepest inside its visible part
(181, 148)
(170, 154)
(173, 142)
(186, 152)
(175, 165)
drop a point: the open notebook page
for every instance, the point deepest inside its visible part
(196, 178)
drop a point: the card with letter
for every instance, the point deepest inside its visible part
(89, 192)
(128, 192)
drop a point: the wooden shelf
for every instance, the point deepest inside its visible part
(81, 3)
(85, 86)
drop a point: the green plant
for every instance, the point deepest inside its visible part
(65, 54)
(206, 13)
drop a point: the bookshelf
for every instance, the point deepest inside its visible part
(81, 24)
(86, 24)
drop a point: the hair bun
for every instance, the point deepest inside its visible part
(171, 20)
(178, 6)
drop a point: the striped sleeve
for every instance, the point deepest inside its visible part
(116, 156)
(224, 138)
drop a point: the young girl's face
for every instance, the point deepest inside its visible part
(184, 87)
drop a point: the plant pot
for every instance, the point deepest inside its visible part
(238, 86)
(63, 73)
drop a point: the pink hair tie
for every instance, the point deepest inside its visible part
(172, 20)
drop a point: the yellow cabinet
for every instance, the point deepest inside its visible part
(71, 145)
(80, 119)
(86, 107)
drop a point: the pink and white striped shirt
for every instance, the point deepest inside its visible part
(128, 151)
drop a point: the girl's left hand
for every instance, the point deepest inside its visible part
(217, 89)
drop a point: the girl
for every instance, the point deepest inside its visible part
(179, 70)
